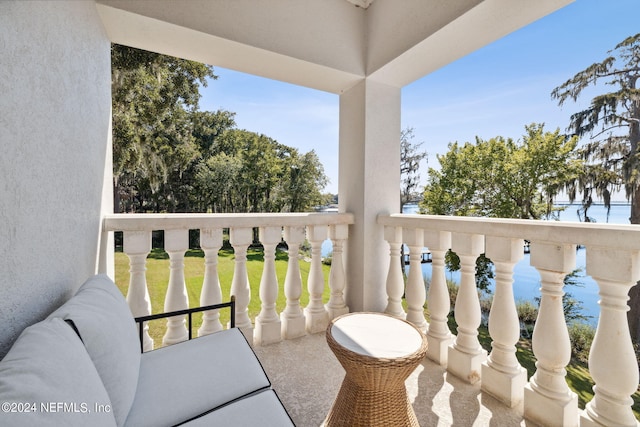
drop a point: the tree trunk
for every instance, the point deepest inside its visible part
(116, 197)
(633, 315)
(402, 254)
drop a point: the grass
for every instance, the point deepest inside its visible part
(578, 377)
(158, 280)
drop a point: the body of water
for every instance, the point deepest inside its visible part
(527, 279)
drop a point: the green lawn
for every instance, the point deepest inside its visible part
(578, 376)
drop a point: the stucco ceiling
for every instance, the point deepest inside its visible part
(361, 3)
(328, 45)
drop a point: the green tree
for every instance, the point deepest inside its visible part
(217, 183)
(468, 177)
(502, 178)
(250, 172)
(303, 182)
(612, 123)
(261, 171)
(170, 157)
(152, 96)
(208, 128)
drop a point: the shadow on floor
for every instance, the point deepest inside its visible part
(306, 376)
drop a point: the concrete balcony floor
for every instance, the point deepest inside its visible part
(306, 375)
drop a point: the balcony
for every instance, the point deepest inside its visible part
(361, 57)
(458, 383)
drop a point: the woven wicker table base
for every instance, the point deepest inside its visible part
(373, 392)
(358, 407)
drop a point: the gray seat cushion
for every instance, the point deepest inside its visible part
(263, 409)
(50, 375)
(185, 380)
(109, 333)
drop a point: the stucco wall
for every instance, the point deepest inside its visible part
(54, 130)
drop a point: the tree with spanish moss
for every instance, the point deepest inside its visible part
(411, 155)
(612, 125)
(154, 97)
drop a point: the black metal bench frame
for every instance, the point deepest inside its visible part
(189, 311)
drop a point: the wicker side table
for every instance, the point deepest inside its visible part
(378, 353)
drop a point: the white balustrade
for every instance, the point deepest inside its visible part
(466, 355)
(613, 260)
(293, 320)
(270, 327)
(438, 335)
(210, 242)
(316, 315)
(395, 283)
(240, 239)
(415, 292)
(137, 245)
(502, 375)
(548, 399)
(268, 324)
(338, 233)
(176, 243)
(612, 360)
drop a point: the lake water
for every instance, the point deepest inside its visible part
(526, 278)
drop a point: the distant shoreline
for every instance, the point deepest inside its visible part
(617, 203)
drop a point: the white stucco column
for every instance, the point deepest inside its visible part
(369, 184)
(105, 262)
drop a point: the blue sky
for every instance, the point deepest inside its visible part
(495, 91)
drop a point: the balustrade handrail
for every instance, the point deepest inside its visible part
(621, 236)
(149, 222)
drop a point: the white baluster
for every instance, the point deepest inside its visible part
(176, 243)
(502, 375)
(240, 239)
(415, 293)
(438, 334)
(316, 315)
(137, 245)
(466, 355)
(336, 305)
(395, 282)
(547, 398)
(210, 242)
(612, 360)
(293, 322)
(268, 325)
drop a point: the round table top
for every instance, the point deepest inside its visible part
(376, 335)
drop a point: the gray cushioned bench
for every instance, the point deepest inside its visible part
(83, 366)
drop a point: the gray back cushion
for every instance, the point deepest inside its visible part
(48, 379)
(106, 326)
